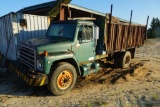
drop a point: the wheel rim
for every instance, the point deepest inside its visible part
(64, 80)
(127, 60)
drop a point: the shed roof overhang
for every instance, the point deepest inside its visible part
(46, 9)
(78, 11)
(61, 9)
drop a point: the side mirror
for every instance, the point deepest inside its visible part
(96, 34)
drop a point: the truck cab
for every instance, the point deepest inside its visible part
(68, 51)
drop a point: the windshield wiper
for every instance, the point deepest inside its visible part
(60, 33)
(64, 38)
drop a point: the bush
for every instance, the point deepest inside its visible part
(154, 30)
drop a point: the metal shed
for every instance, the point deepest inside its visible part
(28, 23)
(16, 28)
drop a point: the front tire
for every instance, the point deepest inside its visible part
(63, 78)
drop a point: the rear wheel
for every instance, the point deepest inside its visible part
(123, 60)
(62, 79)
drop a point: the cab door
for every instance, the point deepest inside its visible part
(85, 46)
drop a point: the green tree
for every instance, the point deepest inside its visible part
(154, 30)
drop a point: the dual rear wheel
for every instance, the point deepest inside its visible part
(122, 60)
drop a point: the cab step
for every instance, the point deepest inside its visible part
(89, 69)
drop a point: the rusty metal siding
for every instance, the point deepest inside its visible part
(122, 37)
(12, 33)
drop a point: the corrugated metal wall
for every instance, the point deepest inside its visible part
(5, 35)
(12, 33)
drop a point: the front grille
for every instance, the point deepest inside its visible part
(28, 56)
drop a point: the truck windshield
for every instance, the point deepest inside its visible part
(61, 30)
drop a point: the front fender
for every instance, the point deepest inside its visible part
(48, 61)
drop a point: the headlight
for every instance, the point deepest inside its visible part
(39, 65)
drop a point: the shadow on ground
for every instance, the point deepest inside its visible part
(13, 85)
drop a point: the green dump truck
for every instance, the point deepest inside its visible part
(74, 48)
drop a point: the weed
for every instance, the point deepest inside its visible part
(89, 104)
(155, 97)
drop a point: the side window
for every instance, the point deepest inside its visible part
(85, 33)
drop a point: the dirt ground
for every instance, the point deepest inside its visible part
(137, 86)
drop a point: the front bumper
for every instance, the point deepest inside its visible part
(34, 79)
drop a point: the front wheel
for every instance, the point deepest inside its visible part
(63, 78)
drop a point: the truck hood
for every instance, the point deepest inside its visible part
(55, 47)
(33, 43)
(49, 45)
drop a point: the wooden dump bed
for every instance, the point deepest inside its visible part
(122, 36)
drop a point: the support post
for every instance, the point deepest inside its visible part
(130, 22)
(62, 13)
(110, 21)
(146, 27)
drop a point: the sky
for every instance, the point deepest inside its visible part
(121, 8)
